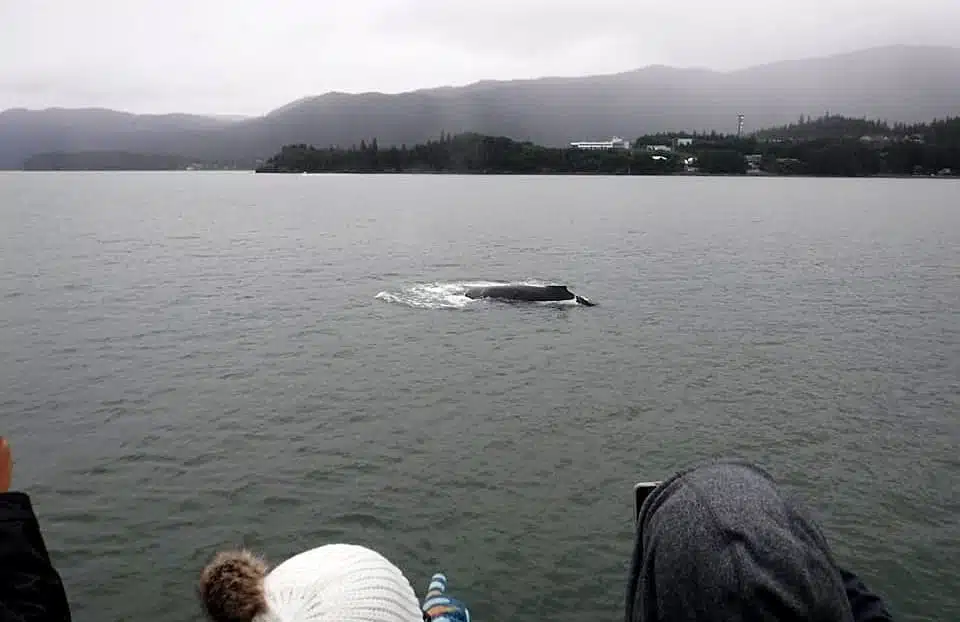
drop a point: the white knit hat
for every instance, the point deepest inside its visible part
(332, 583)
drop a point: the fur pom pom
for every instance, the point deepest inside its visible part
(231, 587)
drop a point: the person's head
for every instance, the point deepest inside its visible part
(333, 582)
(721, 543)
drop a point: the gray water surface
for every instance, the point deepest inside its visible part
(193, 361)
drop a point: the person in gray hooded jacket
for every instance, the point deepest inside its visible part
(720, 542)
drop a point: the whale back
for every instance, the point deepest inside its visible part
(522, 292)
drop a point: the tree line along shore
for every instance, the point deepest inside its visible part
(825, 146)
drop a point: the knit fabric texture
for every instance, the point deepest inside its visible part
(342, 583)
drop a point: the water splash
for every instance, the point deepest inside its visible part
(450, 295)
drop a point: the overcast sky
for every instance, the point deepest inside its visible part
(249, 56)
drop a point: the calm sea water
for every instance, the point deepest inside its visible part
(192, 361)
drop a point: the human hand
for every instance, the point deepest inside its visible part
(6, 465)
(438, 607)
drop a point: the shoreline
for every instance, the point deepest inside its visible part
(585, 174)
(491, 174)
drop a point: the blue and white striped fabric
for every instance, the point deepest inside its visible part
(438, 607)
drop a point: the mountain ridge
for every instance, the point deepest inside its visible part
(894, 83)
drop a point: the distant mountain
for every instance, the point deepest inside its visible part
(24, 133)
(104, 161)
(116, 161)
(899, 83)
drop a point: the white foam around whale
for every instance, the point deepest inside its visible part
(449, 295)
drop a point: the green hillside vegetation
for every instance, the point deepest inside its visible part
(829, 145)
(465, 153)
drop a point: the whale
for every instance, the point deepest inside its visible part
(527, 293)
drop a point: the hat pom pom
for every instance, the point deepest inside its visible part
(231, 587)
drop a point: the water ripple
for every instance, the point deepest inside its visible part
(199, 361)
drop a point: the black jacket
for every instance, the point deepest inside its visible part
(30, 588)
(721, 543)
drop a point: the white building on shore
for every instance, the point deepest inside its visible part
(603, 145)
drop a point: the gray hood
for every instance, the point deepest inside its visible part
(720, 542)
